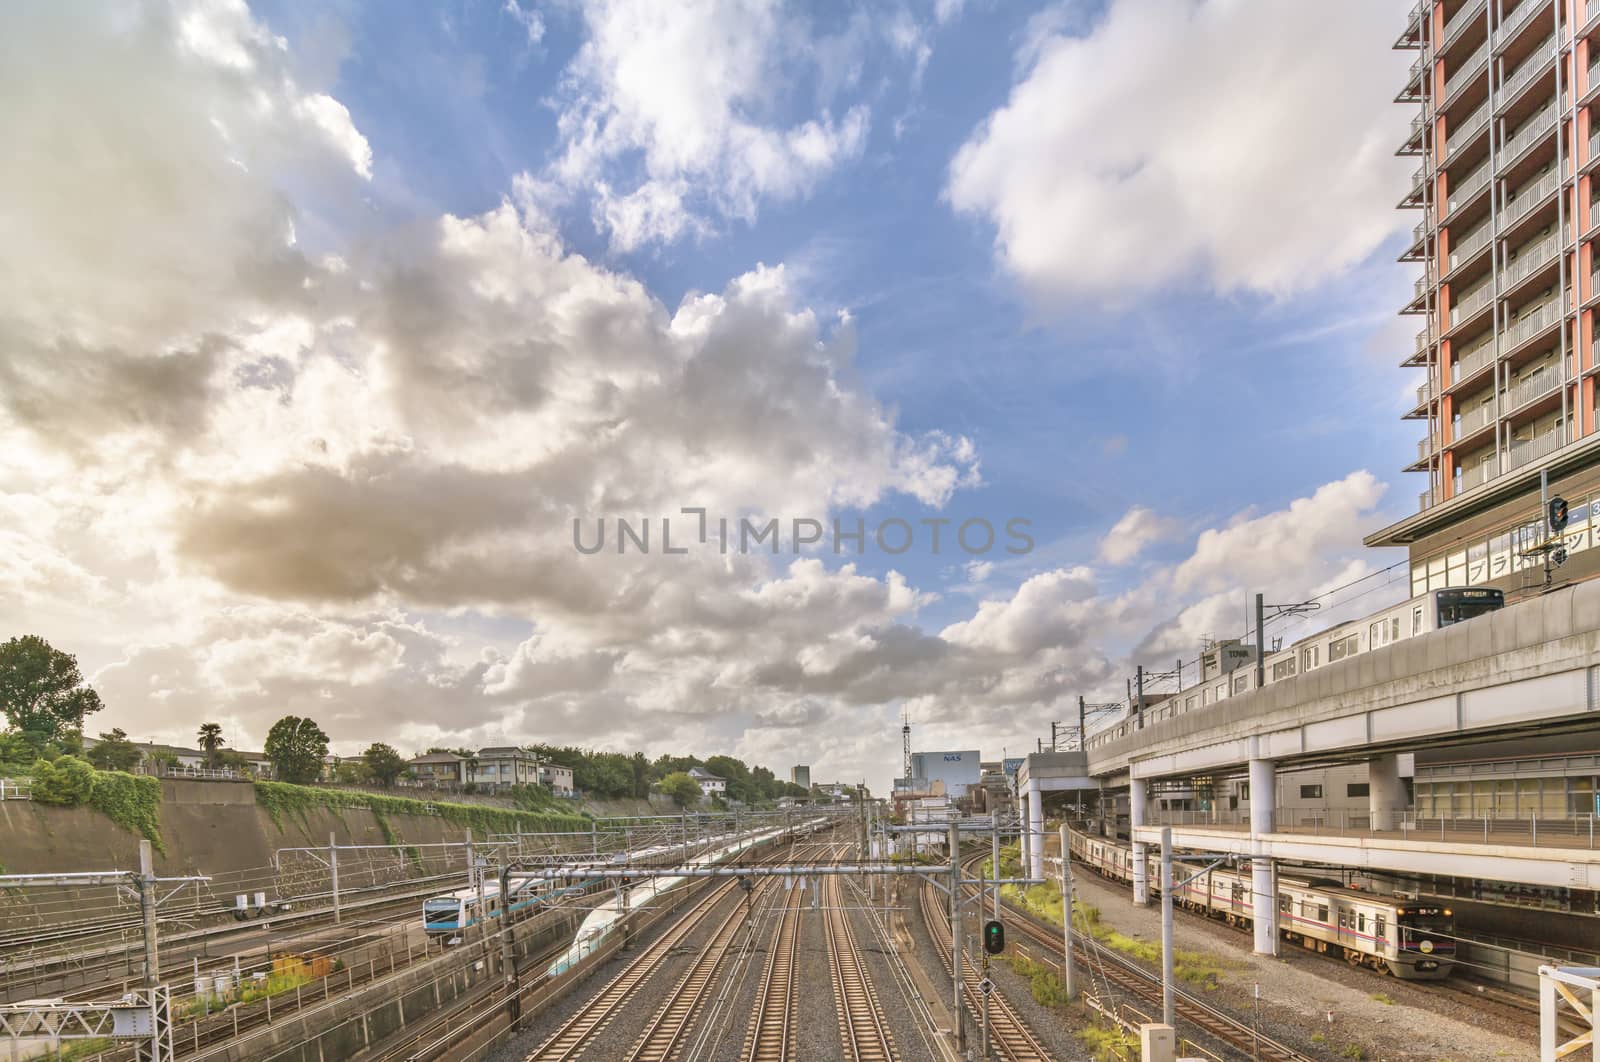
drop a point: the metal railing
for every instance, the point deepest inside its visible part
(1539, 446)
(1476, 476)
(1424, 448)
(1474, 419)
(1532, 66)
(1530, 259)
(1460, 22)
(1591, 10)
(1472, 68)
(1424, 500)
(1469, 187)
(1533, 131)
(1425, 393)
(1528, 196)
(1471, 245)
(14, 789)
(1424, 338)
(1468, 127)
(1516, 19)
(1535, 386)
(1422, 284)
(1473, 358)
(1471, 302)
(1531, 324)
(1524, 830)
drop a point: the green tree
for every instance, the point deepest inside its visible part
(683, 790)
(641, 775)
(211, 741)
(42, 693)
(67, 782)
(114, 752)
(384, 765)
(352, 772)
(296, 747)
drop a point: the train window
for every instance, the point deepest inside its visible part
(1361, 923)
(1283, 669)
(1394, 629)
(1343, 921)
(1322, 913)
(1416, 620)
(1378, 927)
(1285, 903)
(1311, 792)
(1340, 648)
(1241, 683)
(1310, 657)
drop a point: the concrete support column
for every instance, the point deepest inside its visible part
(1264, 905)
(1386, 793)
(1263, 793)
(1138, 801)
(1024, 839)
(1035, 829)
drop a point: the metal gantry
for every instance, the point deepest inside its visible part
(1579, 988)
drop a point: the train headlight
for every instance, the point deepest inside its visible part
(1448, 912)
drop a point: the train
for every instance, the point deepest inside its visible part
(1412, 940)
(1227, 674)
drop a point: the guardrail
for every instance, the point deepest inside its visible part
(11, 789)
(1539, 831)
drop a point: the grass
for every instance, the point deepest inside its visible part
(1353, 1051)
(1382, 997)
(1107, 1045)
(275, 984)
(281, 800)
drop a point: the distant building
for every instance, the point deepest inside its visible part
(800, 775)
(556, 778)
(440, 768)
(710, 784)
(503, 766)
(960, 771)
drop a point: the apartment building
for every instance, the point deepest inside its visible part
(1507, 142)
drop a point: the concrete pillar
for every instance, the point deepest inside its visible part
(1263, 793)
(1023, 839)
(1138, 799)
(1386, 793)
(1035, 829)
(1264, 905)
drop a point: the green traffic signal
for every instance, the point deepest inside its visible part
(994, 937)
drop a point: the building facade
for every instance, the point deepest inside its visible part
(710, 784)
(960, 770)
(439, 768)
(502, 766)
(800, 775)
(1507, 143)
(557, 779)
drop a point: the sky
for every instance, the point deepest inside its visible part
(332, 332)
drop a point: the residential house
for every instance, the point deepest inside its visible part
(503, 766)
(439, 768)
(556, 778)
(710, 784)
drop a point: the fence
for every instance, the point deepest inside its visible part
(1540, 831)
(11, 789)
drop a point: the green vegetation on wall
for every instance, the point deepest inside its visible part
(131, 801)
(281, 800)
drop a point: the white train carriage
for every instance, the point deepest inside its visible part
(1409, 939)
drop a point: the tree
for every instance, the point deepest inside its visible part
(681, 788)
(211, 741)
(641, 775)
(296, 747)
(42, 693)
(384, 765)
(114, 752)
(351, 772)
(67, 782)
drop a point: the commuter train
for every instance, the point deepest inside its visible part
(1428, 612)
(1412, 940)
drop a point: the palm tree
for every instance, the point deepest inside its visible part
(210, 741)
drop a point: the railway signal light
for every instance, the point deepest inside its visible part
(994, 937)
(1558, 515)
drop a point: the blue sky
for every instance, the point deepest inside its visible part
(1143, 281)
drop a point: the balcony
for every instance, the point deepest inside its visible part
(1592, 10)
(1463, 131)
(1517, 19)
(1425, 393)
(1424, 338)
(1530, 134)
(1594, 144)
(1469, 187)
(1424, 448)
(1423, 284)
(1529, 197)
(1473, 360)
(1424, 499)
(1535, 386)
(1472, 68)
(1531, 324)
(1476, 476)
(1526, 450)
(1471, 303)
(1531, 67)
(1462, 19)
(1473, 420)
(1530, 260)
(1470, 245)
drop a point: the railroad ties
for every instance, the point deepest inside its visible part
(771, 1034)
(862, 1028)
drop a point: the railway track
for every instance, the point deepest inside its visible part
(863, 1029)
(1120, 974)
(771, 1034)
(1008, 1033)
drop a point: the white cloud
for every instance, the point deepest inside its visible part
(1138, 528)
(529, 18)
(1241, 145)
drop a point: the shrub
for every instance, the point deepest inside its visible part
(67, 782)
(131, 801)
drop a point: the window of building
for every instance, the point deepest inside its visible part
(1311, 792)
(1358, 789)
(1244, 790)
(1241, 683)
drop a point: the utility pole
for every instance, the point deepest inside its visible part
(995, 822)
(147, 913)
(333, 872)
(955, 934)
(508, 955)
(1261, 642)
(1168, 1008)
(1139, 678)
(1067, 978)
(1083, 726)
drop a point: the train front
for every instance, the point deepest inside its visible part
(1426, 939)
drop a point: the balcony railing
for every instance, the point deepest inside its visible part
(1531, 324)
(1422, 284)
(1526, 198)
(1471, 302)
(1473, 359)
(1470, 186)
(1535, 386)
(1424, 500)
(1535, 64)
(1470, 245)
(1424, 337)
(1462, 18)
(1523, 451)
(1425, 393)
(1530, 260)
(1472, 68)
(1531, 133)
(1464, 130)
(1591, 10)
(1476, 476)
(1424, 448)
(1473, 419)
(1516, 19)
